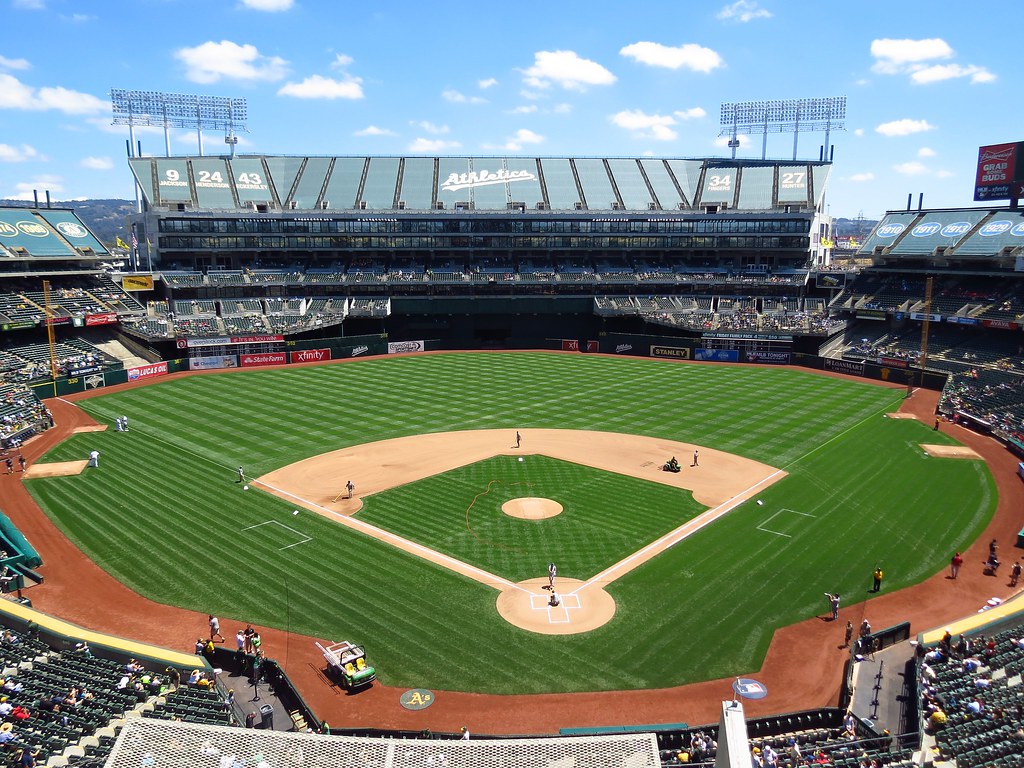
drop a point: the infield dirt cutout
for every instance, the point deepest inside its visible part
(950, 451)
(721, 482)
(56, 469)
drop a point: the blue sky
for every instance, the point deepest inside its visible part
(927, 83)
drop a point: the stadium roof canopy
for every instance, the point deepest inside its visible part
(954, 233)
(165, 743)
(280, 183)
(47, 233)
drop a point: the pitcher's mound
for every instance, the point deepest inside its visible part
(531, 508)
(56, 469)
(580, 609)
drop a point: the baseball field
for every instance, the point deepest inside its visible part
(414, 564)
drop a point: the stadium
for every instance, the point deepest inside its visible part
(461, 336)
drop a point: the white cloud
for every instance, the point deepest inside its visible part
(645, 126)
(895, 56)
(431, 145)
(429, 127)
(373, 130)
(567, 69)
(341, 61)
(320, 87)
(911, 168)
(210, 61)
(456, 97)
(689, 56)
(97, 163)
(522, 136)
(268, 5)
(743, 11)
(939, 72)
(926, 152)
(42, 183)
(14, 63)
(11, 154)
(693, 113)
(861, 177)
(858, 132)
(904, 127)
(562, 109)
(16, 95)
(483, 85)
(943, 174)
(29, 5)
(526, 109)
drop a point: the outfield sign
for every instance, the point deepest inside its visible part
(398, 347)
(1000, 167)
(309, 356)
(573, 345)
(679, 353)
(147, 371)
(263, 358)
(771, 358)
(717, 355)
(843, 366)
(212, 362)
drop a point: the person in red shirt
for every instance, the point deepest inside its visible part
(954, 565)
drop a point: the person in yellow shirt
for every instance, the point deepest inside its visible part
(877, 576)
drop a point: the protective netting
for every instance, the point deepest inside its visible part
(148, 743)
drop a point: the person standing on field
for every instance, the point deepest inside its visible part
(877, 576)
(954, 565)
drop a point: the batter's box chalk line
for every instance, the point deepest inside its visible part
(300, 534)
(764, 525)
(557, 614)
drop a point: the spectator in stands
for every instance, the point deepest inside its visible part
(5, 706)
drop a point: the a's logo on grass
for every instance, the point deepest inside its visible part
(417, 698)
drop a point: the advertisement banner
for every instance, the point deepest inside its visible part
(962, 320)
(870, 314)
(309, 356)
(999, 165)
(210, 362)
(147, 371)
(922, 316)
(137, 282)
(398, 347)
(58, 321)
(843, 366)
(772, 358)
(893, 362)
(679, 353)
(717, 355)
(263, 358)
(1007, 324)
(570, 345)
(102, 318)
(593, 346)
(225, 341)
(17, 325)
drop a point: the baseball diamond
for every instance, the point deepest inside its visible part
(172, 485)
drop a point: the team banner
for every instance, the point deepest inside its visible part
(264, 358)
(147, 371)
(137, 282)
(101, 318)
(830, 280)
(843, 366)
(771, 358)
(398, 347)
(309, 356)
(211, 362)
(717, 355)
(679, 353)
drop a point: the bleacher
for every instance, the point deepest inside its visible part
(973, 698)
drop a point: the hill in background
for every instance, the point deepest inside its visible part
(106, 218)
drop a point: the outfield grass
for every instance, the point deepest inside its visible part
(164, 516)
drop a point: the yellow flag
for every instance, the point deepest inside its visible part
(121, 243)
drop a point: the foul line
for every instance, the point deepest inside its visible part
(431, 555)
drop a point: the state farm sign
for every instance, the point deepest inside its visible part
(309, 355)
(265, 358)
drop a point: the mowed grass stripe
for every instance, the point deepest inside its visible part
(705, 608)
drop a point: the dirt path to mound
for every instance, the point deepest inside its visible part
(802, 668)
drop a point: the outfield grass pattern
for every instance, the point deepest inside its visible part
(163, 515)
